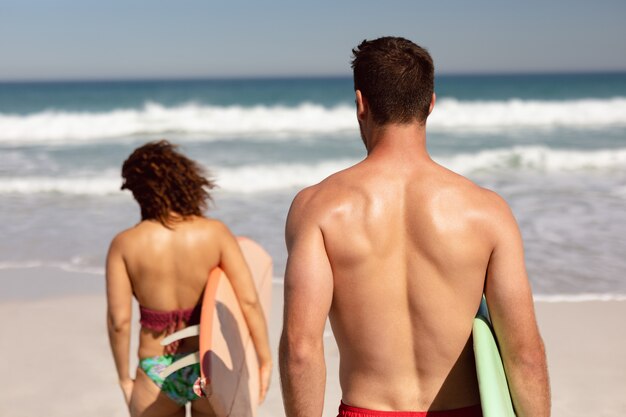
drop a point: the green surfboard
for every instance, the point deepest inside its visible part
(495, 398)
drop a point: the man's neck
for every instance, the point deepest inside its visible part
(400, 142)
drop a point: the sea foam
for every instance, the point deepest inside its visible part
(210, 122)
(275, 177)
(536, 158)
(71, 266)
(277, 122)
(515, 114)
(578, 298)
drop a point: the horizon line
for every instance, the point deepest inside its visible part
(270, 77)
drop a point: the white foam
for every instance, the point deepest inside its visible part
(452, 114)
(63, 185)
(154, 119)
(256, 178)
(536, 158)
(71, 266)
(246, 179)
(276, 122)
(578, 298)
(266, 177)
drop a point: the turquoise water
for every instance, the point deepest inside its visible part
(553, 145)
(24, 98)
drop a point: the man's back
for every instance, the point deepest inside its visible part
(397, 252)
(408, 244)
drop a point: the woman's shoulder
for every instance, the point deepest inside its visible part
(124, 241)
(123, 236)
(150, 231)
(210, 225)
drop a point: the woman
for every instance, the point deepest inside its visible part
(164, 261)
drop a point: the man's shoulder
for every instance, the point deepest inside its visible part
(316, 201)
(492, 202)
(487, 207)
(472, 201)
(481, 196)
(310, 200)
(489, 199)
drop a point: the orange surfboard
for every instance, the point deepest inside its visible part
(228, 360)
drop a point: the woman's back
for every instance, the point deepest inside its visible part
(168, 270)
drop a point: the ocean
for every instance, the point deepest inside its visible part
(554, 146)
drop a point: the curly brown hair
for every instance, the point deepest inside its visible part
(164, 181)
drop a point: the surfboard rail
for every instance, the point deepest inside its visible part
(495, 398)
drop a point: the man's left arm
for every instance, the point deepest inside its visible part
(308, 297)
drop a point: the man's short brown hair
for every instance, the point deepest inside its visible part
(396, 77)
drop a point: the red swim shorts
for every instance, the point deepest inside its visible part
(349, 411)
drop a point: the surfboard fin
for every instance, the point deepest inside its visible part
(190, 359)
(181, 334)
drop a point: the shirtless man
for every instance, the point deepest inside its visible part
(397, 252)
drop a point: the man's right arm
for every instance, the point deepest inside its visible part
(512, 313)
(308, 297)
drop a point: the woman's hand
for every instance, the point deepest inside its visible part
(265, 375)
(127, 389)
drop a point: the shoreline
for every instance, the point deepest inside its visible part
(56, 348)
(70, 279)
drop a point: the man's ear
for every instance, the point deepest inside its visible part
(432, 103)
(362, 107)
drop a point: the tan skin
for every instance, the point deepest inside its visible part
(397, 251)
(166, 269)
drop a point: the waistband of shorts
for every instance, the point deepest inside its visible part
(471, 411)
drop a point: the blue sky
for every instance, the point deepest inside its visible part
(87, 39)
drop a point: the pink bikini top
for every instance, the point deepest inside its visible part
(169, 321)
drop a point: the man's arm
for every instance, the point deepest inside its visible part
(512, 312)
(308, 297)
(119, 310)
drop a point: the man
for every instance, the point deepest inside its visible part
(397, 252)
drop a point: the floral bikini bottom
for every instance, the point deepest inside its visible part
(179, 385)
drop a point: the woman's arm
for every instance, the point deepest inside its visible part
(119, 302)
(236, 269)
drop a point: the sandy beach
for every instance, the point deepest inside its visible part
(56, 358)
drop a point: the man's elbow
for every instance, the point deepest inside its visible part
(298, 352)
(531, 359)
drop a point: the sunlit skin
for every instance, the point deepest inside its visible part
(397, 251)
(167, 269)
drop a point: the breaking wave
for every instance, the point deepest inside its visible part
(264, 177)
(223, 122)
